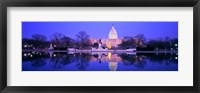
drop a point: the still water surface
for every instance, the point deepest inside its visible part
(99, 61)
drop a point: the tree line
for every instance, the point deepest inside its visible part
(141, 43)
(82, 41)
(58, 40)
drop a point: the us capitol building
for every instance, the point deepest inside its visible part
(111, 41)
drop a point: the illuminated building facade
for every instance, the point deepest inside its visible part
(111, 41)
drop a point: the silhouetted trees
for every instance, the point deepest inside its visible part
(96, 45)
(83, 40)
(130, 42)
(62, 42)
(39, 37)
(36, 42)
(140, 40)
(142, 44)
(56, 39)
(67, 42)
(163, 44)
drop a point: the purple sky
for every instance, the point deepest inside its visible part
(151, 30)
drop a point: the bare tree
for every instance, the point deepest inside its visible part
(83, 39)
(39, 37)
(67, 41)
(82, 36)
(140, 40)
(56, 39)
(38, 41)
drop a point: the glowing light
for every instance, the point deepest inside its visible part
(109, 45)
(24, 54)
(54, 55)
(109, 55)
(31, 55)
(176, 57)
(25, 45)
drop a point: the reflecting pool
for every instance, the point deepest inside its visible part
(99, 61)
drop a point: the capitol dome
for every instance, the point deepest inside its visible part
(113, 33)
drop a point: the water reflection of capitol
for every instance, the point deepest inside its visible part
(112, 41)
(112, 59)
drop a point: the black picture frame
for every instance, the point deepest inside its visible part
(100, 3)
